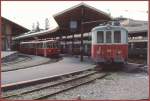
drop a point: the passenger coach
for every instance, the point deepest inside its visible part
(109, 44)
(43, 48)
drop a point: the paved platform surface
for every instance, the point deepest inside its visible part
(66, 65)
(7, 53)
(29, 61)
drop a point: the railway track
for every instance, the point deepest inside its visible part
(50, 87)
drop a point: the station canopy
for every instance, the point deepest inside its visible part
(71, 20)
(15, 28)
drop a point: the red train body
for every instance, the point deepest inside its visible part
(109, 44)
(46, 48)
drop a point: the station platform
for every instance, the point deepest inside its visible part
(7, 53)
(65, 66)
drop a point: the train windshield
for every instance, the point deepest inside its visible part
(100, 37)
(108, 37)
(117, 36)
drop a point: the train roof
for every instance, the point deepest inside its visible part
(107, 27)
(35, 41)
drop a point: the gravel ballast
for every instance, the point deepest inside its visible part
(117, 86)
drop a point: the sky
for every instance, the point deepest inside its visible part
(25, 13)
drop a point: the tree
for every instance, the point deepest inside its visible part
(46, 23)
(38, 26)
(33, 27)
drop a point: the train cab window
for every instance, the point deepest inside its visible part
(108, 37)
(55, 45)
(100, 37)
(49, 45)
(40, 45)
(44, 45)
(117, 36)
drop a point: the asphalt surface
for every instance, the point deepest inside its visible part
(29, 61)
(7, 53)
(66, 65)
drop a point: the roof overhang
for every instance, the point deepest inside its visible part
(81, 4)
(36, 34)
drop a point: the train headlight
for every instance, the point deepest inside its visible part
(98, 52)
(118, 52)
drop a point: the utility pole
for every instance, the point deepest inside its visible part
(81, 47)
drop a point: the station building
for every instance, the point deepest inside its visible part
(9, 29)
(74, 31)
(138, 36)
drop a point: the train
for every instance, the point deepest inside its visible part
(47, 48)
(109, 44)
(106, 43)
(67, 48)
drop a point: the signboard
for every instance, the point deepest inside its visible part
(73, 24)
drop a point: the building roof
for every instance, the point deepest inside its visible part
(15, 27)
(74, 13)
(135, 26)
(85, 15)
(27, 35)
(79, 5)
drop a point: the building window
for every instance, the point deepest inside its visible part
(117, 36)
(108, 37)
(73, 24)
(100, 37)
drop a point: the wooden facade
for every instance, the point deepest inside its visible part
(9, 30)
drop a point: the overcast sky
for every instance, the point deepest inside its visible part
(26, 13)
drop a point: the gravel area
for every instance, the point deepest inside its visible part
(117, 86)
(50, 82)
(49, 89)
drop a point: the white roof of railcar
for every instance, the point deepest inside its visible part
(105, 27)
(38, 41)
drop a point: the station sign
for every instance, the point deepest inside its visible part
(73, 24)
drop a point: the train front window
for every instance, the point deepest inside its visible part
(48, 45)
(108, 37)
(117, 36)
(100, 37)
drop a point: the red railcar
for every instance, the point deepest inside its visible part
(45, 48)
(109, 44)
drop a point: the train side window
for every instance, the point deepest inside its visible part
(108, 37)
(100, 37)
(44, 45)
(117, 36)
(48, 45)
(38, 45)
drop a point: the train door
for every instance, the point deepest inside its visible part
(36, 46)
(86, 49)
(44, 48)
